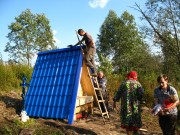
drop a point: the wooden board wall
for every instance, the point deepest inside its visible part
(86, 82)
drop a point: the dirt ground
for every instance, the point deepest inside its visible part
(10, 123)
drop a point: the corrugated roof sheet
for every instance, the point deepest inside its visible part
(53, 87)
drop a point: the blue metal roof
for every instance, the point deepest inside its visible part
(54, 84)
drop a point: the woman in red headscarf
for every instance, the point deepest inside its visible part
(130, 92)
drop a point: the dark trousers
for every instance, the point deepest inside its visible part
(168, 124)
(89, 58)
(106, 98)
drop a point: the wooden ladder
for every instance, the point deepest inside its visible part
(97, 91)
(99, 98)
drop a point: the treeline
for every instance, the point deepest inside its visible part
(11, 75)
(122, 46)
(146, 76)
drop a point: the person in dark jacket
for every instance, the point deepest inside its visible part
(102, 81)
(89, 50)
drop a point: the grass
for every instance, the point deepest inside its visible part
(16, 126)
(20, 124)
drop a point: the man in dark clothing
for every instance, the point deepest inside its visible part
(89, 50)
(102, 81)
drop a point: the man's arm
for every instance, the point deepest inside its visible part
(175, 100)
(80, 42)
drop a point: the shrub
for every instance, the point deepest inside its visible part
(11, 75)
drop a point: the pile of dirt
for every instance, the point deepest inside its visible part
(10, 105)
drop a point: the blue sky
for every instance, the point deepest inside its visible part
(65, 16)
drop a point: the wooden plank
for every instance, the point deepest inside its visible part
(80, 90)
(82, 100)
(86, 82)
(86, 107)
(144, 130)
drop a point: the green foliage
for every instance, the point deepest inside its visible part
(104, 64)
(29, 34)
(21, 124)
(107, 37)
(113, 82)
(7, 131)
(163, 19)
(121, 49)
(121, 43)
(7, 77)
(148, 84)
(11, 75)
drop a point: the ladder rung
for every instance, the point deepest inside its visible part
(101, 100)
(105, 116)
(98, 88)
(93, 75)
(105, 113)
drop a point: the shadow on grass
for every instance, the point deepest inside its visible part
(68, 129)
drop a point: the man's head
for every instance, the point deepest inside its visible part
(81, 32)
(163, 81)
(100, 74)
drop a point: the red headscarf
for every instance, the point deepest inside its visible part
(132, 75)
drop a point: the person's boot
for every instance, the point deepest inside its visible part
(93, 72)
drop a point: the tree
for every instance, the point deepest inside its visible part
(29, 34)
(104, 64)
(120, 41)
(107, 37)
(164, 26)
(121, 48)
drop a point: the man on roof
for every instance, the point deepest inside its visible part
(89, 50)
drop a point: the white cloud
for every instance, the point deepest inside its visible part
(98, 3)
(54, 32)
(56, 39)
(33, 61)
